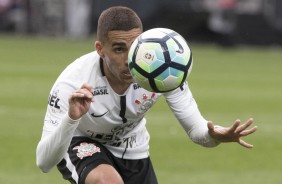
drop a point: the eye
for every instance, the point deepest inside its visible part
(118, 49)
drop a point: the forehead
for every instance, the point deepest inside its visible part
(123, 36)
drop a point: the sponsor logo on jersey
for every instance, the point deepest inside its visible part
(136, 86)
(113, 140)
(53, 100)
(98, 115)
(145, 103)
(52, 121)
(100, 90)
(86, 149)
(123, 129)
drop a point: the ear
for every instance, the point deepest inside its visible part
(98, 46)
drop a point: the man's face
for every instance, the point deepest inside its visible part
(115, 54)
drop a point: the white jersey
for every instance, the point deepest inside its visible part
(117, 121)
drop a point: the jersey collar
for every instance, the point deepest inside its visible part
(102, 67)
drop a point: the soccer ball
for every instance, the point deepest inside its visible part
(159, 60)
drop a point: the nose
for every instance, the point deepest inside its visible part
(126, 59)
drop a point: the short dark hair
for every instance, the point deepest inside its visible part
(117, 18)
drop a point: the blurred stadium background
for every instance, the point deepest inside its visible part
(227, 22)
(237, 53)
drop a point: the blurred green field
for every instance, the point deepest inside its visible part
(228, 84)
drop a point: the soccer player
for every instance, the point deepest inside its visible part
(95, 128)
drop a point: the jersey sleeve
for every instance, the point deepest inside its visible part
(58, 128)
(185, 108)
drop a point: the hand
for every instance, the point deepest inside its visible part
(233, 133)
(79, 101)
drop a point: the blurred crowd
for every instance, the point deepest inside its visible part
(72, 17)
(247, 21)
(53, 17)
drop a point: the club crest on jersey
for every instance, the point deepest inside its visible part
(145, 103)
(86, 149)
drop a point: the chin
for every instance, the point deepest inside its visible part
(129, 80)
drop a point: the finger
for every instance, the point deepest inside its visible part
(247, 132)
(210, 126)
(86, 86)
(235, 125)
(87, 92)
(244, 126)
(83, 93)
(246, 145)
(90, 89)
(77, 95)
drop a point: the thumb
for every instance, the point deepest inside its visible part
(210, 126)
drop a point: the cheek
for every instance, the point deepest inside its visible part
(112, 65)
(118, 61)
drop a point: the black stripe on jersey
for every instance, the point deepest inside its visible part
(102, 67)
(123, 108)
(124, 152)
(181, 86)
(62, 167)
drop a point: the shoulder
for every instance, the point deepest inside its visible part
(81, 68)
(86, 61)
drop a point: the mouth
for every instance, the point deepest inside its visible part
(127, 74)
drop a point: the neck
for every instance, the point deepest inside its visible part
(117, 85)
(119, 89)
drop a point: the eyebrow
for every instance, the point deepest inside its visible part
(118, 44)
